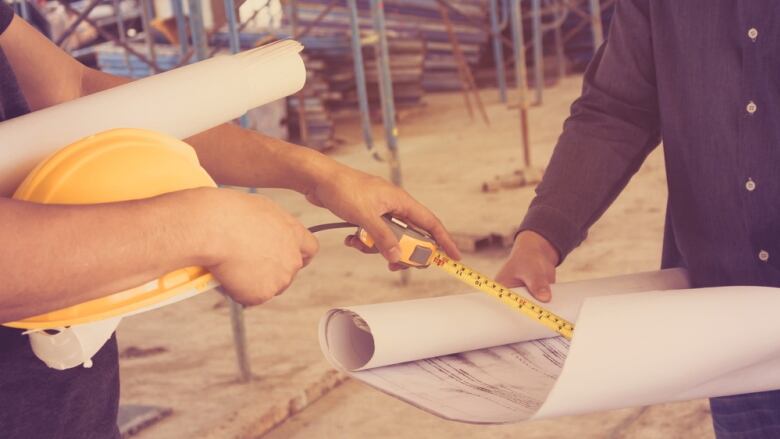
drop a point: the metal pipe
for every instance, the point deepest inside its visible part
(303, 127)
(559, 53)
(120, 29)
(234, 39)
(236, 309)
(388, 102)
(504, 20)
(146, 17)
(520, 76)
(181, 25)
(596, 26)
(536, 14)
(498, 53)
(197, 30)
(25, 10)
(79, 18)
(360, 79)
(386, 89)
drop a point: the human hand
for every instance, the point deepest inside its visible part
(259, 246)
(531, 264)
(362, 199)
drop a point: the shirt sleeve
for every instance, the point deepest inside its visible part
(612, 128)
(6, 15)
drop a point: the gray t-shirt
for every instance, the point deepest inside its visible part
(37, 402)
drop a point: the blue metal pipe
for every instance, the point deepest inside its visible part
(536, 13)
(560, 15)
(498, 53)
(120, 28)
(25, 10)
(516, 22)
(236, 309)
(197, 30)
(360, 78)
(597, 28)
(235, 42)
(504, 20)
(181, 25)
(386, 90)
(388, 101)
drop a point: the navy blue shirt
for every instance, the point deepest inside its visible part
(37, 402)
(704, 77)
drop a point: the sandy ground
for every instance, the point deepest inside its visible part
(445, 157)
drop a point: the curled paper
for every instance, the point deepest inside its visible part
(181, 102)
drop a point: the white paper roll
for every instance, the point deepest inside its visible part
(180, 102)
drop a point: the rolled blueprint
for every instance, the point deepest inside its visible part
(181, 102)
(368, 336)
(639, 340)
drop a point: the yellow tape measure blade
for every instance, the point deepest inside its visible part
(505, 295)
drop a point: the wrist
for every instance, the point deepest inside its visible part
(202, 215)
(529, 241)
(310, 169)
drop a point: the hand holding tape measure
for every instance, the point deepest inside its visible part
(419, 249)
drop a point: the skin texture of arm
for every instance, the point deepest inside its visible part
(56, 256)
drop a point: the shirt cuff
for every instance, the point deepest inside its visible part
(554, 226)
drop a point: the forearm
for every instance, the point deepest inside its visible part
(612, 128)
(236, 156)
(54, 256)
(239, 157)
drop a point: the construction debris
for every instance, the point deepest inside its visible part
(475, 242)
(518, 178)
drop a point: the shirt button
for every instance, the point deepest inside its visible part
(750, 185)
(751, 107)
(753, 33)
(763, 255)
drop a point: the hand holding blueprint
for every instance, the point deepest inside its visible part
(640, 339)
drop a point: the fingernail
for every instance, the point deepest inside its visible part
(544, 294)
(394, 254)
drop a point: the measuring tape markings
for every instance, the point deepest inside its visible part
(505, 295)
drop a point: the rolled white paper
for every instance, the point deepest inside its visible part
(181, 102)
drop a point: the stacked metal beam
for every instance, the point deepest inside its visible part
(329, 78)
(412, 20)
(113, 59)
(318, 132)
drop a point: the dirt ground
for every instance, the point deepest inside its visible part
(182, 356)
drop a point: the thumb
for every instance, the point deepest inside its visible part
(384, 239)
(538, 286)
(308, 246)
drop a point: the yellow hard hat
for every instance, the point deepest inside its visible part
(118, 165)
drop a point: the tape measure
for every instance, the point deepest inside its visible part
(419, 249)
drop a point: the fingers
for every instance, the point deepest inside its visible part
(355, 242)
(423, 218)
(396, 266)
(535, 278)
(309, 246)
(384, 239)
(539, 286)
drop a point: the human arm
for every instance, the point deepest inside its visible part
(235, 156)
(612, 128)
(54, 256)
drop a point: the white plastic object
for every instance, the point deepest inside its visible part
(181, 102)
(65, 348)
